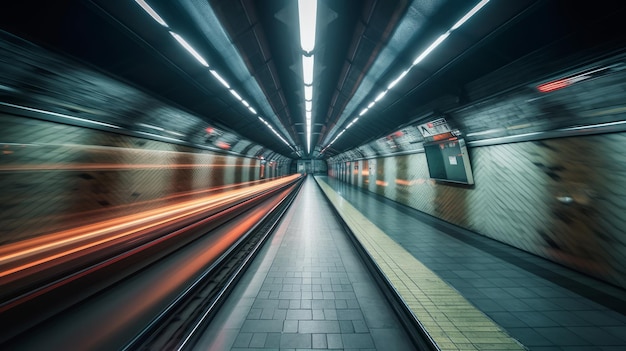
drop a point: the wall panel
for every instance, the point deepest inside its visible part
(563, 199)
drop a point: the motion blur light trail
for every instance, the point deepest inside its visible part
(29, 254)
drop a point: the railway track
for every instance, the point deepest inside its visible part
(156, 293)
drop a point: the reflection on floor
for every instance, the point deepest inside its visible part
(543, 305)
(307, 289)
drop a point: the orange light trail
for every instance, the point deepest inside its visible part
(19, 256)
(109, 166)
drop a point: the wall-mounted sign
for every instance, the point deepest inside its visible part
(436, 127)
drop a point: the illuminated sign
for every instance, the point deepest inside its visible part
(436, 127)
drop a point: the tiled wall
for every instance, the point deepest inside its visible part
(563, 199)
(55, 176)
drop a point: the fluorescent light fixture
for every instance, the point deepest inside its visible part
(308, 105)
(252, 109)
(235, 94)
(307, 69)
(393, 84)
(307, 14)
(308, 92)
(245, 103)
(381, 95)
(150, 126)
(174, 133)
(60, 115)
(191, 50)
(468, 15)
(151, 12)
(219, 78)
(275, 132)
(431, 47)
(417, 60)
(308, 114)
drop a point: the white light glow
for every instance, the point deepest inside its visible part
(308, 140)
(219, 78)
(235, 94)
(308, 92)
(419, 59)
(191, 50)
(471, 13)
(393, 84)
(150, 126)
(174, 133)
(252, 109)
(307, 69)
(275, 132)
(245, 103)
(431, 48)
(308, 105)
(380, 96)
(308, 115)
(60, 115)
(307, 14)
(151, 12)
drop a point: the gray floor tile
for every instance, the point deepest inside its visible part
(520, 300)
(561, 336)
(262, 326)
(258, 340)
(598, 336)
(320, 341)
(299, 314)
(242, 340)
(334, 341)
(357, 341)
(318, 327)
(297, 341)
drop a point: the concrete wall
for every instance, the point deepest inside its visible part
(563, 199)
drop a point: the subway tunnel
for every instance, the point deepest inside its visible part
(300, 174)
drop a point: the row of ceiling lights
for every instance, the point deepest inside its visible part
(417, 60)
(204, 63)
(307, 16)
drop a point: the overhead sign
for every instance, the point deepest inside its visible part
(430, 129)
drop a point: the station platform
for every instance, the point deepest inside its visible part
(308, 288)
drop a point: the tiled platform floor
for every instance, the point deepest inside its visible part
(307, 289)
(543, 305)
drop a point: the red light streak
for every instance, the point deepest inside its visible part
(555, 85)
(27, 254)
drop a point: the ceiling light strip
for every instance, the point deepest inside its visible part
(151, 12)
(307, 13)
(190, 49)
(307, 19)
(275, 132)
(220, 79)
(417, 60)
(203, 62)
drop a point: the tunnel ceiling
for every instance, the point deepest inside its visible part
(361, 47)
